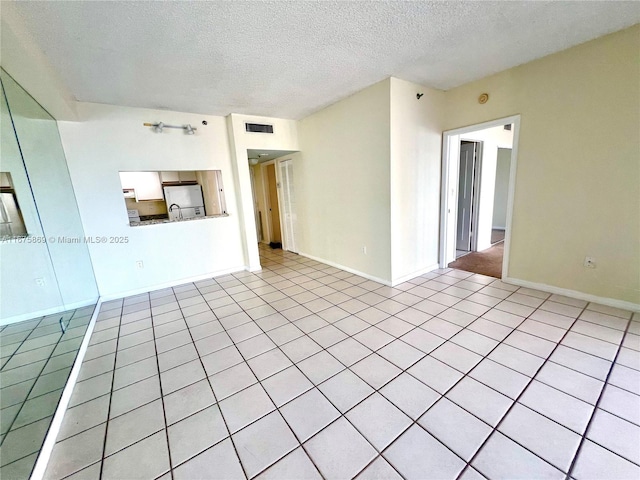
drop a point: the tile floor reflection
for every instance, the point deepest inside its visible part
(35, 362)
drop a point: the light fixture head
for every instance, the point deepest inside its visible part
(188, 129)
(253, 161)
(158, 127)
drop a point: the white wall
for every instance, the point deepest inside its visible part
(415, 160)
(342, 183)
(109, 139)
(501, 192)
(284, 137)
(492, 139)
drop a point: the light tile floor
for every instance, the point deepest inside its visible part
(35, 361)
(306, 371)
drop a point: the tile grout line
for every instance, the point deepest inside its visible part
(217, 403)
(398, 338)
(314, 386)
(9, 430)
(443, 395)
(22, 342)
(46, 450)
(113, 377)
(595, 409)
(164, 412)
(375, 390)
(259, 382)
(515, 401)
(497, 426)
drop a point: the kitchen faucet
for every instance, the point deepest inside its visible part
(179, 210)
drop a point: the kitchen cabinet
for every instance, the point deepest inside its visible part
(182, 176)
(147, 185)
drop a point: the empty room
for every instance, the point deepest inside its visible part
(306, 239)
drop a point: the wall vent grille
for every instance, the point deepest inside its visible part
(258, 128)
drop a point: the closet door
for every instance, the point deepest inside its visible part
(287, 205)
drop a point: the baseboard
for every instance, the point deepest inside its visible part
(610, 302)
(346, 269)
(253, 268)
(52, 434)
(405, 278)
(173, 283)
(48, 311)
(499, 228)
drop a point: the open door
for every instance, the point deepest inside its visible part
(465, 196)
(274, 206)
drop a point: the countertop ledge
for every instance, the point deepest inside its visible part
(166, 220)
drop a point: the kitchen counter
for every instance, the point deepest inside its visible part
(166, 220)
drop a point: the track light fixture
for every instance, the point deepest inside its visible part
(159, 126)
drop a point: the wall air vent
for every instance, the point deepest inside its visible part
(258, 128)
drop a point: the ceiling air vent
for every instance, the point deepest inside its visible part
(258, 128)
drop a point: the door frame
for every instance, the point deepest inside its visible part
(256, 207)
(267, 200)
(449, 188)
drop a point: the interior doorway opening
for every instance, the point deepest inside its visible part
(478, 178)
(273, 197)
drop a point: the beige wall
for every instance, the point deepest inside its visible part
(416, 137)
(577, 187)
(342, 183)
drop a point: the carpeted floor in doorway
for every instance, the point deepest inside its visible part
(487, 262)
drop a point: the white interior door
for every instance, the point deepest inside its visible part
(287, 205)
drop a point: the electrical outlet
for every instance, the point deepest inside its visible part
(40, 282)
(139, 265)
(589, 262)
(364, 249)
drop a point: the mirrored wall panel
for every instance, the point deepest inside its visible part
(44, 260)
(45, 268)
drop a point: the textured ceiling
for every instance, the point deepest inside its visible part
(290, 58)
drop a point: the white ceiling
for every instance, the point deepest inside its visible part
(290, 58)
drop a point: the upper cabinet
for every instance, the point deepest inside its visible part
(147, 185)
(171, 177)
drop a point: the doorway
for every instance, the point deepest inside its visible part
(275, 237)
(478, 179)
(274, 199)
